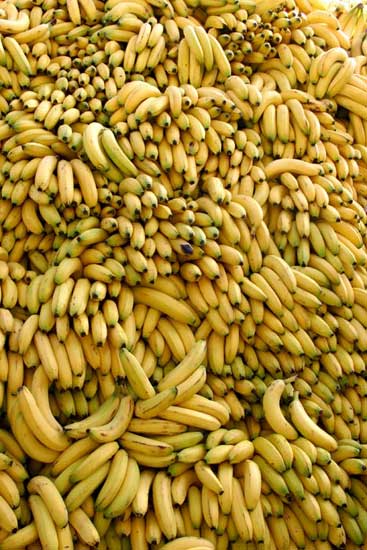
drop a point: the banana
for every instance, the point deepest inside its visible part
(239, 514)
(201, 404)
(30, 217)
(145, 445)
(252, 484)
(342, 77)
(45, 526)
(15, 22)
(229, 379)
(186, 367)
(116, 154)
(127, 491)
(113, 481)
(136, 375)
(207, 477)
(206, 47)
(181, 485)
(22, 537)
(46, 355)
(93, 148)
(166, 304)
(351, 528)
(73, 453)
(156, 426)
(29, 443)
(301, 167)
(103, 414)
(18, 56)
(84, 527)
(193, 43)
(44, 487)
(64, 536)
(270, 453)
(96, 459)
(220, 59)
(308, 428)
(353, 465)
(85, 179)
(80, 491)
(190, 417)
(27, 333)
(9, 490)
(273, 412)
(35, 34)
(182, 442)
(151, 107)
(280, 267)
(284, 447)
(302, 462)
(5, 461)
(294, 484)
(295, 527)
(323, 481)
(44, 171)
(196, 543)
(141, 499)
(66, 268)
(274, 480)
(191, 386)
(149, 408)
(273, 300)
(9, 522)
(144, 90)
(163, 505)
(153, 461)
(172, 338)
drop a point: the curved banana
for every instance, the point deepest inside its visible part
(29, 443)
(126, 492)
(113, 481)
(82, 490)
(168, 305)
(163, 505)
(252, 484)
(9, 490)
(307, 427)
(21, 538)
(44, 523)
(17, 54)
(150, 408)
(96, 459)
(140, 503)
(118, 424)
(92, 146)
(182, 543)
(86, 181)
(84, 527)
(186, 367)
(78, 430)
(43, 486)
(136, 375)
(273, 413)
(270, 453)
(116, 154)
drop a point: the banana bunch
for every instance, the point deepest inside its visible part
(183, 282)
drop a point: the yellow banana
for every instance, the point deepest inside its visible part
(44, 487)
(273, 412)
(306, 426)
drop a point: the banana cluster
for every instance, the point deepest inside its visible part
(183, 275)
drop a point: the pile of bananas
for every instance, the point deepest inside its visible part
(183, 275)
